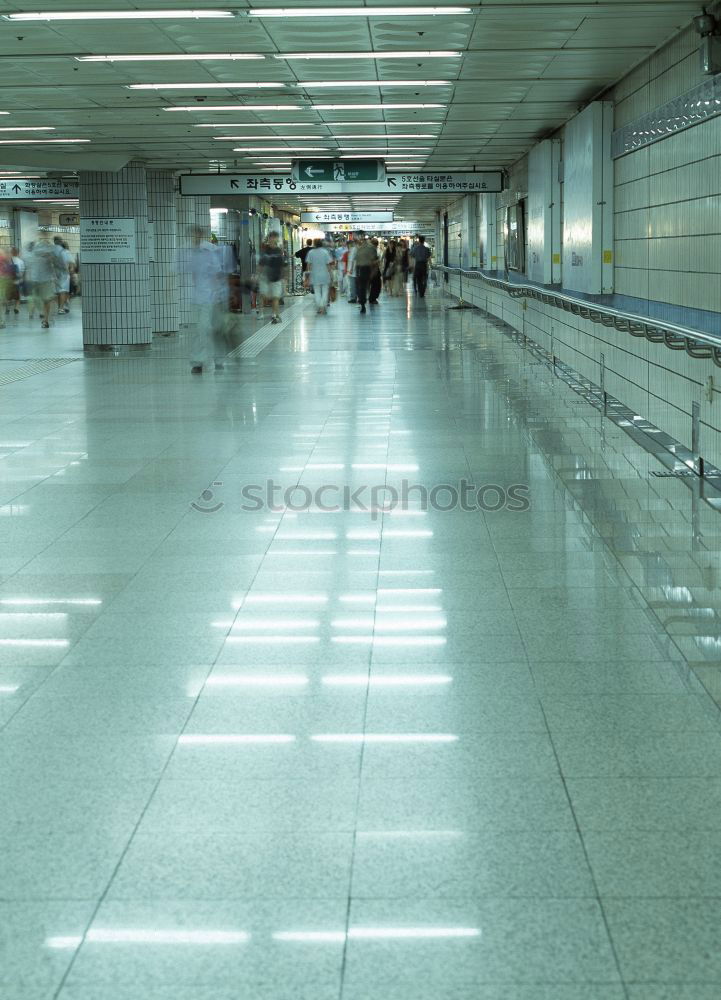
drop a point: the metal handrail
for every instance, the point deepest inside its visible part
(703, 346)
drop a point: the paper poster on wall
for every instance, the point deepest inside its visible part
(108, 241)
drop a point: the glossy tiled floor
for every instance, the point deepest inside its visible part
(302, 755)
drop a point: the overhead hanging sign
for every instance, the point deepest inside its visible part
(422, 182)
(338, 170)
(380, 227)
(356, 217)
(21, 190)
(108, 241)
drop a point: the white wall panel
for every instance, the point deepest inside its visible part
(540, 211)
(588, 201)
(488, 251)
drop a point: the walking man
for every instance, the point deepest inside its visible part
(319, 262)
(272, 270)
(366, 262)
(421, 255)
(204, 262)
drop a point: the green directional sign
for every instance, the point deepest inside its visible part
(313, 170)
(338, 170)
(360, 170)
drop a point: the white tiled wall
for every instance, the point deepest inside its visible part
(660, 384)
(161, 211)
(117, 307)
(667, 249)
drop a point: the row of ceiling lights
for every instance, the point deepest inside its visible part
(262, 12)
(237, 56)
(259, 12)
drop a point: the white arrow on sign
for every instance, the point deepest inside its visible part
(312, 171)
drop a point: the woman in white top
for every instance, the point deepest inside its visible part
(318, 264)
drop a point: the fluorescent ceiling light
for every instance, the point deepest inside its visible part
(374, 149)
(239, 107)
(28, 128)
(205, 86)
(25, 142)
(428, 54)
(227, 125)
(354, 11)
(380, 125)
(173, 57)
(115, 15)
(250, 138)
(385, 138)
(374, 83)
(364, 156)
(357, 107)
(274, 149)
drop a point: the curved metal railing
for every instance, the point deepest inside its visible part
(704, 346)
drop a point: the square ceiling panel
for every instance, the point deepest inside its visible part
(524, 70)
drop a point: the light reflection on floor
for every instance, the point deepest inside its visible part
(363, 754)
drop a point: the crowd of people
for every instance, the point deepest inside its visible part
(361, 269)
(41, 277)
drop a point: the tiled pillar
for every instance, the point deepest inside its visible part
(202, 213)
(161, 214)
(192, 211)
(117, 307)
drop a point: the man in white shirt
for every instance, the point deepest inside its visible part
(208, 296)
(62, 281)
(318, 263)
(44, 266)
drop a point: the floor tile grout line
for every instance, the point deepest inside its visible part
(135, 829)
(361, 756)
(589, 866)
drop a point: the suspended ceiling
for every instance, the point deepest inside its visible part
(524, 69)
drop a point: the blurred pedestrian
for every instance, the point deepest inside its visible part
(44, 266)
(421, 255)
(272, 267)
(62, 281)
(320, 262)
(7, 278)
(350, 271)
(208, 298)
(404, 263)
(376, 282)
(366, 262)
(18, 291)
